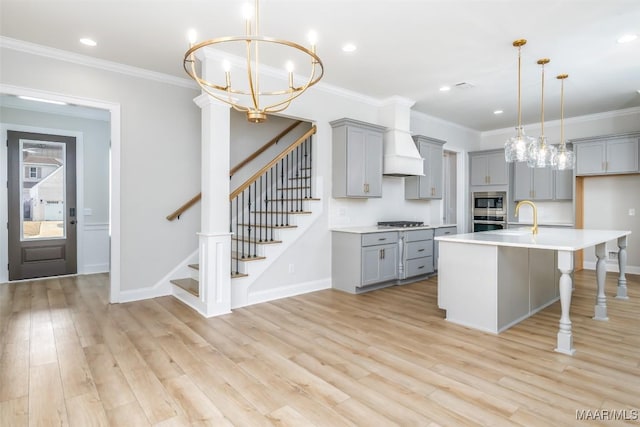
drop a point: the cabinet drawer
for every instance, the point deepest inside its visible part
(445, 231)
(415, 235)
(419, 249)
(370, 239)
(418, 266)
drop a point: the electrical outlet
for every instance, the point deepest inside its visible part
(292, 268)
(613, 255)
(632, 212)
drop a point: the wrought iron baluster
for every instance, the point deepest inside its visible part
(242, 227)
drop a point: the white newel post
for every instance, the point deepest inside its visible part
(215, 238)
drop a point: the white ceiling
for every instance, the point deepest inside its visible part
(405, 48)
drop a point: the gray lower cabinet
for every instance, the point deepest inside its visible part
(417, 253)
(357, 159)
(362, 262)
(608, 155)
(441, 231)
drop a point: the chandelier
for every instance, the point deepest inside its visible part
(565, 158)
(248, 94)
(515, 149)
(539, 153)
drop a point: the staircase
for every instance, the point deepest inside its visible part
(266, 212)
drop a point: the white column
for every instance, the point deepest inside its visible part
(215, 238)
(600, 311)
(565, 337)
(622, 265)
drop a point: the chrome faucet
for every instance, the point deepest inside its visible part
(534, 229)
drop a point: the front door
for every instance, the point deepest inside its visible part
(42, 205)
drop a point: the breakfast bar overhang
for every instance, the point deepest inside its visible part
(492, 280)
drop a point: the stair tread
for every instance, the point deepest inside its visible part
(195, 266)
(284, 212)
(235, 275)
(295, 198)
(267, 226)
(264, 242)
(190, 285)
(236, 255)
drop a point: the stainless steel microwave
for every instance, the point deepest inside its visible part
(490, 203)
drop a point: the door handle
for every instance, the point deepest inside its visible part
(72, 222)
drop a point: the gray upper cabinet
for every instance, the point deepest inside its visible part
(357, 159)
(607, 155)
(532, 183)
(428, 186)
(563, 185)
(488, 168)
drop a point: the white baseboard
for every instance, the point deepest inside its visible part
(96, 268)
(612, 267)
(287, 291)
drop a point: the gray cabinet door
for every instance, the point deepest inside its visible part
(542, 183)
(435, 170)
(379, 264)
(497, 169)
(479, 166)
(590, 158)
(622, 155)
(373, 164)
(564, 185)
(356, 154)
(522, 181)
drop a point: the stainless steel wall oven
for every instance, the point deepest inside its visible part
(489, 210)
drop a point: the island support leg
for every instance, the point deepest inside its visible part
(600, 311)
(565, 338)
(622, 265)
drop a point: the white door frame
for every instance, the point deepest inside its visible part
(114, 177)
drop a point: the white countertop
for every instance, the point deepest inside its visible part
(562, 239)
(375, 229)
(547, 223)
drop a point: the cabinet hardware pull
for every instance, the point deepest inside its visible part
(383, 253)
(382, 238)
(447, 232)
(422, 266)
(421, 250)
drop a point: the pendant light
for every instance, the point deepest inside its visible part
(565, 158)
(540, 154)
(515, 149)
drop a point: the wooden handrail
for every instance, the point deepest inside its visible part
(262, 149)
(272, 163)
(197, 197)
(181, 209)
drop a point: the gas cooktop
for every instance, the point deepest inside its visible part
(400, 224)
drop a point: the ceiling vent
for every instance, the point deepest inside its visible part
(463, 85)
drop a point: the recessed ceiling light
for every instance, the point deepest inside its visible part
(498, 112)
(46, 101)
(88, 42)
(349, 47)
(627, 38)
(445, 89)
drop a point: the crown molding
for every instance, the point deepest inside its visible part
(572, 120)
(76, 58)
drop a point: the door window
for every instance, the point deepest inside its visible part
(42, 190)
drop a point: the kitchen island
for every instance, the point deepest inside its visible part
(494, 279)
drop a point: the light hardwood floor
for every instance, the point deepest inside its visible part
(326, 358)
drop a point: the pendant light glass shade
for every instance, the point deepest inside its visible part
(539, 153)
(565, 158)
(515, 149)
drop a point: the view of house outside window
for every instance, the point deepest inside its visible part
(42, 189)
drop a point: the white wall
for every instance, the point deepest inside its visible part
(160, 146)
(607, 201)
